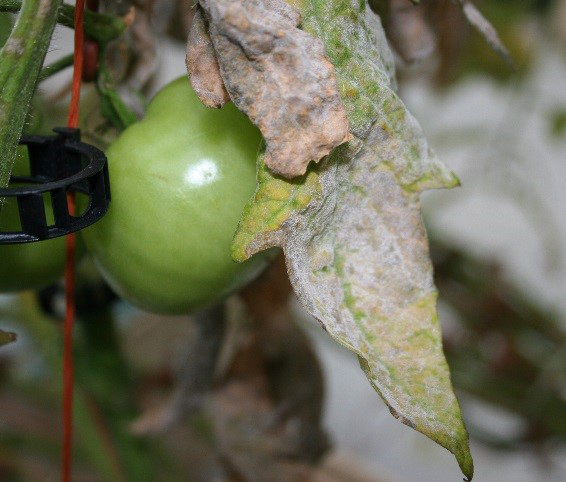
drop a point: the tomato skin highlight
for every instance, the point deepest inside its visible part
(180, 179)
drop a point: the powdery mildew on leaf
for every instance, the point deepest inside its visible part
(279, 76)
(355, 244)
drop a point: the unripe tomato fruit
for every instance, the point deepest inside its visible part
(29, 265)
(180, 179)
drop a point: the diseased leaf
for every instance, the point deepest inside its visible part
(279, 76)
(202, 66)
(7, 337)
(275, 200)
(352, 233)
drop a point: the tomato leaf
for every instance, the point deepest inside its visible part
(112, 106)
(202, 66)
(7, 337)
(353, 237)
(279, 76)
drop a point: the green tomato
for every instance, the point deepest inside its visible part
(180, 179)
(34, 265)
(30, 265)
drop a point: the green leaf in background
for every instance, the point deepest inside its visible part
(7, 337)
(352, 232)
(112, 105)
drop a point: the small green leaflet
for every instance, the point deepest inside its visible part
(352, 233)
(6, 337)
(112, 106)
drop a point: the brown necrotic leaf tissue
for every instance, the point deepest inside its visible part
(202, 66)
(280, 77)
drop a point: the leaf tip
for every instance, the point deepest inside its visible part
(7, 337)
(454, 182)
(238, 248)
(464, 458)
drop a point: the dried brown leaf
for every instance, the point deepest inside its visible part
(202, 66)
(265, 410)
(409, 31)
(252, 447)
(279, 76)
(142, 43)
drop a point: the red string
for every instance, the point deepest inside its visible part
(73, 119)
(68, 380)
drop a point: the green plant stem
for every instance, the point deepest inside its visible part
(20, 63)
(55, 67)
(6, 24)
(99, 27)
(112, 106)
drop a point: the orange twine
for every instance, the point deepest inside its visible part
(68, 379)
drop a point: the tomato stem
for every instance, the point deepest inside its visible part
(55, 67)
(20, 63)
(97, 26)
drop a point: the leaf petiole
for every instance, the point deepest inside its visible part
(98, 26)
